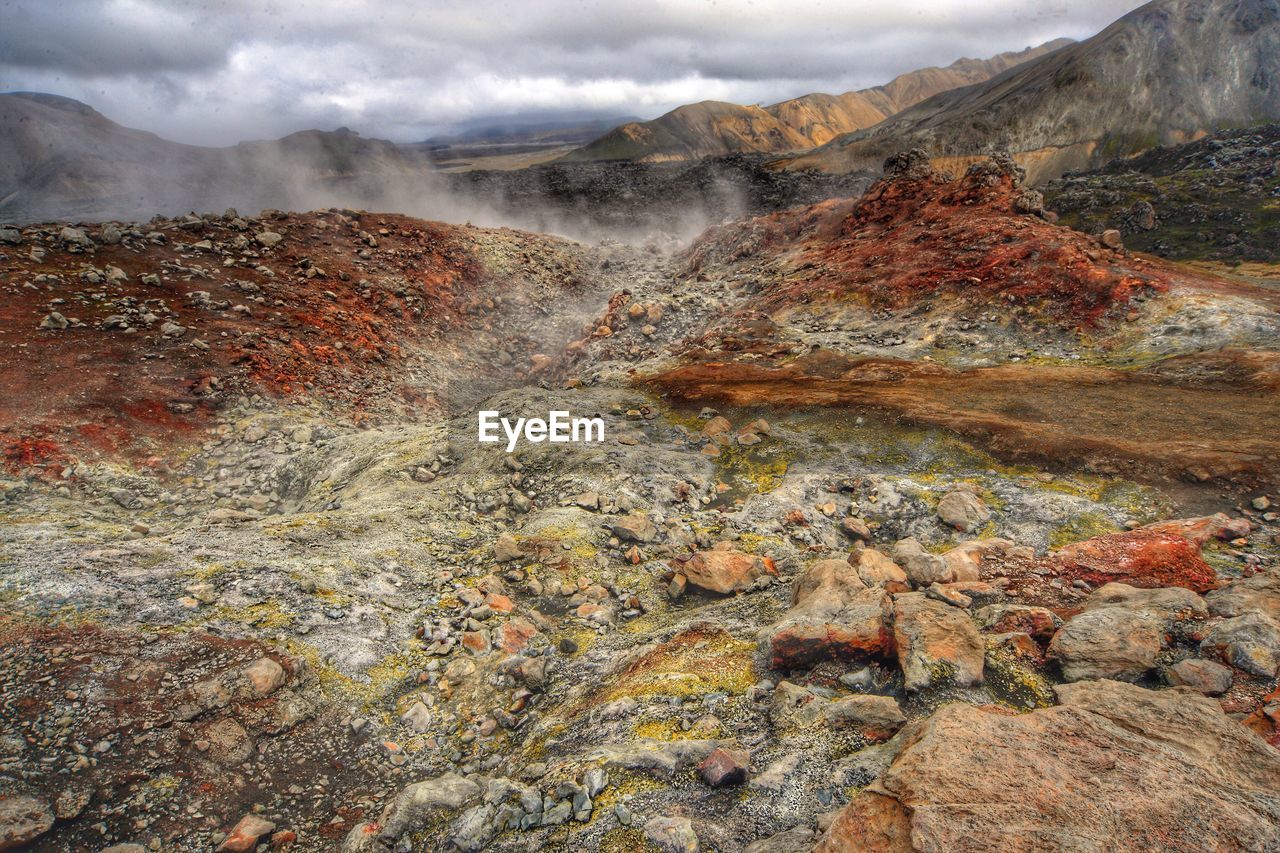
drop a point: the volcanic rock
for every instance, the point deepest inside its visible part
(1250, 642)
(964, 511)
(23, 818)
(1110, 642)
(1204, 676)
(937, 643)
(725, 767)
(245, 834)
(835, 617)
(726, 571)
(419, 802)
(1146, 770)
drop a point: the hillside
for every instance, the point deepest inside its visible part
(60, 158)
(1215, 199)
(1166, 73)
(713, 128)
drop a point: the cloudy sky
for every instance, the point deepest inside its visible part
(217, 72)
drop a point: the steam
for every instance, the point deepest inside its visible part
(77, 174)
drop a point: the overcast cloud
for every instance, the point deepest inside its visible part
(219, 72)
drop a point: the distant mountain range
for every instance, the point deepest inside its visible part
(716, 128)
(509, 131)
(1168, 72)
(61, 159)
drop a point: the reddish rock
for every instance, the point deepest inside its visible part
(1113, 767)
(265, 676)
(1140, 558)
(936, 643)
(726, 571)
(245, 834)
(515, 634)
(476, 641)
(1039, 622)
(871, 823)
(835, 617)
(499, 603)
(283, 838)
(725, 767)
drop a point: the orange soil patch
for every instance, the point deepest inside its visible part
(1165, 421)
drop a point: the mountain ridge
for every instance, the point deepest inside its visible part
(714, 128)
(1168, 72)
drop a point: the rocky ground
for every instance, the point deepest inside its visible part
(642, 202)
(920, 523)
(1214, 199)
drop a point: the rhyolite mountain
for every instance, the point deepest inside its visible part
(715, 128)
(61, 159)
(1168, 72)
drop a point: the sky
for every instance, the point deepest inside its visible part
(215, 73)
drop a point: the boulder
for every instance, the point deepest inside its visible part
(1113, 767)
(1201, 530)
(634, 528)
(416, 804)
(874, 717)
(506, 549)
(245, 834)
(1039, 622)
(832, 624)
(963, 510)
(921, 567)
(1172, 603)
(672, 834)
(1203, 676)
(1110, 642)
(964, 562)
(264, 676)
(725, 571)
(937, 643)
(24, 817)
(1250, 642)
(1257, 594)
(1140, 558)
(875, 569)
(725, 767)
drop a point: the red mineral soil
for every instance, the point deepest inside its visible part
(326, 314)
(917, 239)
(170, 717)
(983, 240)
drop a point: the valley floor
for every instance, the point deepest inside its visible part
(842, 576)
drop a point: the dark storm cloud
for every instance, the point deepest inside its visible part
(216, 72)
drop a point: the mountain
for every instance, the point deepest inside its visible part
(1168, 72)
(713, 128)
(61, 159)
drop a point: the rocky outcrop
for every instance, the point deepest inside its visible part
(1145, 771)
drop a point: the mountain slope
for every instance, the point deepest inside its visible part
(713, 128)
(60, 158)
(1168, 72)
